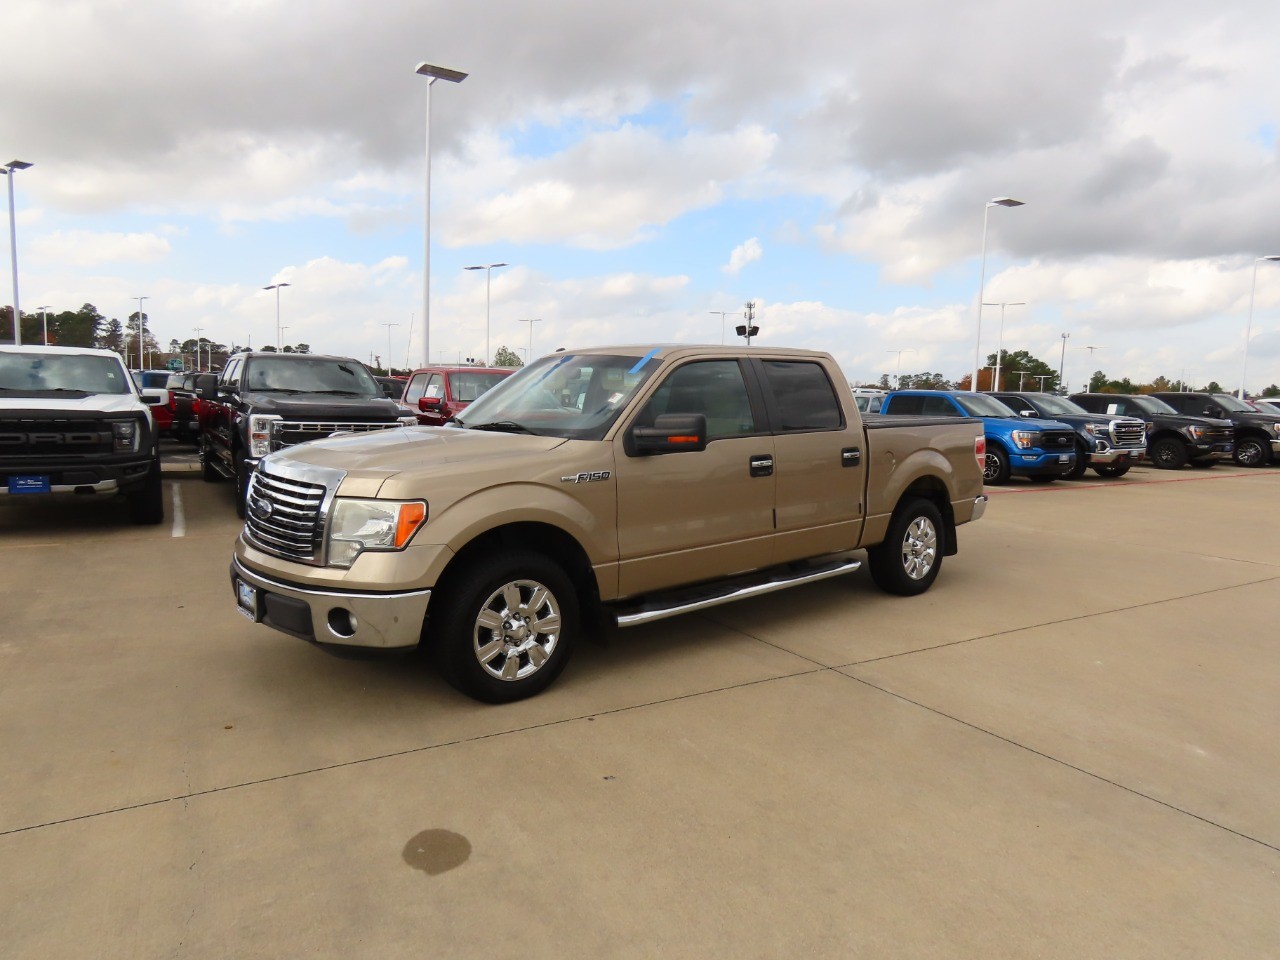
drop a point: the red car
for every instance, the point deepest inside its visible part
(437, 393)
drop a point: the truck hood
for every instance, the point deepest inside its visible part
(368, 459)
(322, 406)
(1027, 423)
(105, 403)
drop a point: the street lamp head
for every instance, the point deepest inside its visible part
(439, 73)
(16, 165)
(1005, 202)
(1274, 256)
(277, 286)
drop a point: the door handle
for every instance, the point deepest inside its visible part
(761, 465)
(850, 457)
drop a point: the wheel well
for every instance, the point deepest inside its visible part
(543, 538)
(935, 491)
(1255, 435)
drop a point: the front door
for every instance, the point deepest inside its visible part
(684, 517)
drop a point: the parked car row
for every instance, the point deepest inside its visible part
(1045, 437)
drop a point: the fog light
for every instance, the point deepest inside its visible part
(342, 623)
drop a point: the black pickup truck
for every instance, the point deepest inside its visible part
(1257, 434)
(1173, 440)
(73, 423)
(262, 402)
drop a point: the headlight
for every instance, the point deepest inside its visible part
(1195, 433)
(1095, 429)
(1025, 439)
(260, 433)
(1275, 428)
(408, 420)
(124, 434)
(382, 525)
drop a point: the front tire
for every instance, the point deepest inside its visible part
(995, 470)
(242, 483)
(1252, 452)
(1111, 470)
(507, 626)
(1081, 463)
(1168, 453)
(146, 504)
(908, 560)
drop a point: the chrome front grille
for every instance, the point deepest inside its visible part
(284, 517)
(1128, 433)
(286, 433)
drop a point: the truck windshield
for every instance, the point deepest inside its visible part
(39, 374)
(979, 405)
(296, 374)
(1058, 406)
(1232, 404)
(1152, 405)
(575, 396)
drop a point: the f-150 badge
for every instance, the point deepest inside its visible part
(591, 477)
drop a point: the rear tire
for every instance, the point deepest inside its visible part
(995, 470)
(908, 560)
(208, 472)
(506, 627)
(1081, 464)
(1168, 453)
(1111, 470)
(146, 504)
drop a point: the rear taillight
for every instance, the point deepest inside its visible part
(980, 451)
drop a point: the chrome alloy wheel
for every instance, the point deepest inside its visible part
(990, 467)
(919, 548)
(517, 630)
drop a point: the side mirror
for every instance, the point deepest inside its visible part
(155, 398)
(671, 433)
(1212, 412)
(1026, 413)
(207, 386)
(430, 403)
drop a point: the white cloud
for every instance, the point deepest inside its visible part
(86, 248)
(743, 254)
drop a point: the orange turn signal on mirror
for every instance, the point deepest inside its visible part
(682, 439)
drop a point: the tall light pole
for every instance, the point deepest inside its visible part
(982, 277)
(432, 73)
(10, 169)
(1062, 363)
(279, 330)
(722, 316)
(199, 330)
(1042, 377)
(389, 326)
(1248, 329)
(44, 322)
(141, 365)
(488, 269)
(995, 382)
(898, 374)
(530, 322)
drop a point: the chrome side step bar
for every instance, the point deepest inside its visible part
(660, 607)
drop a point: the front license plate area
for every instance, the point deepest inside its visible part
(1064, 458)
(29, 483)
(247, 600)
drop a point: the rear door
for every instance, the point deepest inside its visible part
(223, 414)
(685, 517)
(820, 460)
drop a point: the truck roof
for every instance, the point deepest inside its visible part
(40, 348)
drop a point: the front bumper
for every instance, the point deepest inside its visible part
(1210, 451)
(1119, 455)
(78, 477)
(1036, 464)
(339, 618)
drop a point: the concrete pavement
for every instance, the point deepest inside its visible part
(1065, 749)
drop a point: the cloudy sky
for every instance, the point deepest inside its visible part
(644, 166)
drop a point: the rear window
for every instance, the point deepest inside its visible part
(803, 398)
(467, 386)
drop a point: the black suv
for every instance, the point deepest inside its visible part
(1257, 435)
(1108, 443)
(1173, 440)
(261, 402)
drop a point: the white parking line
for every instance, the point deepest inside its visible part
(179, 519)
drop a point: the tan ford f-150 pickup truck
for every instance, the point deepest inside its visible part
(616, 485)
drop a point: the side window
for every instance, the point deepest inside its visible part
(231, 373)
(713, 388)
(435, 386)
(415, 390)
(1179, 403)
(938, 407)
(1017, 404)
(803, 398)
(906, 405)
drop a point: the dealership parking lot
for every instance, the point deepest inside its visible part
(1067, 748)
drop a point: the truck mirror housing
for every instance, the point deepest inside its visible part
(428, 403)
(207, 386)
(671, 433)
(155, 397)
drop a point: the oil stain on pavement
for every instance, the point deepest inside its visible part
(436, 851)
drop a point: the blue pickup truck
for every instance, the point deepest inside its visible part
(1041, 450)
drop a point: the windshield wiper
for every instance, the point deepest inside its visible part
(501, 426)
(275, 390)
(345, 393)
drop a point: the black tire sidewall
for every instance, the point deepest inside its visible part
(1003, 471)
(885, 559)
(1179, 459)
(456, 603)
